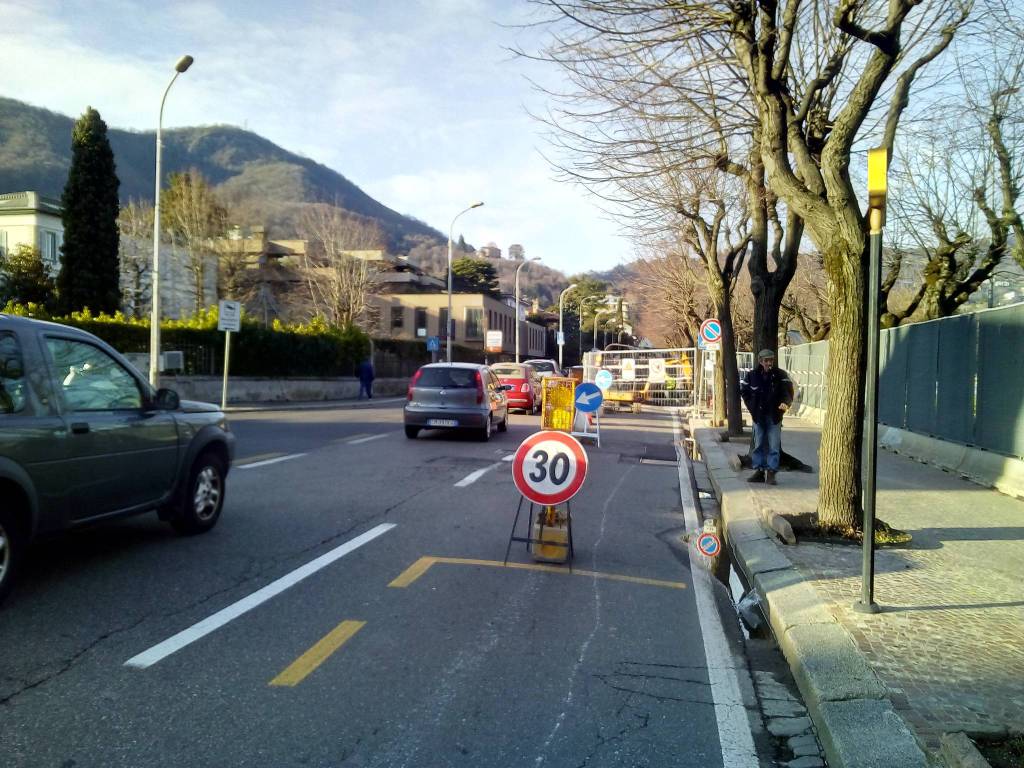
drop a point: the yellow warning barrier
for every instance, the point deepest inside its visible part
(558, 403)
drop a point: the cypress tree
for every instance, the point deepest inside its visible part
(89, 274)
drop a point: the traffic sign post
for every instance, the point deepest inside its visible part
(229, 320)
(588, 397)
(709, 544)
(548, 469)
(711, 330)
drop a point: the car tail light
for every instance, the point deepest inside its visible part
(479, 388)
(412, 384)
(525, 387)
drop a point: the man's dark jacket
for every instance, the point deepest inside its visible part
(763, 392)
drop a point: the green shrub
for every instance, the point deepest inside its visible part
(285, 350)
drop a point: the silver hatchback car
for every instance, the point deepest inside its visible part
(456, 396)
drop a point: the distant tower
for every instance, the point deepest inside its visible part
(489, 251)
(516, 252)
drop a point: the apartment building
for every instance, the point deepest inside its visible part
(28, 218)
(412, 316)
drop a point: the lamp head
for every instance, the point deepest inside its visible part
(183, 63)
(476, 205)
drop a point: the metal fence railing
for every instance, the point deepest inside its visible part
(957, 379)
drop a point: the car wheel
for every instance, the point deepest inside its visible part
(204, 496)
(503, 427)
(12, 544)
(411, 432)
(488, 428)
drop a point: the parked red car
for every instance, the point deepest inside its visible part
(525, 382)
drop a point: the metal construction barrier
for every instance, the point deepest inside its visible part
(662, 377)
(557, 408)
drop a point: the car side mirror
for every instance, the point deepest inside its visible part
(167, 400)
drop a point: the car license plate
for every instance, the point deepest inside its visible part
(442, 423)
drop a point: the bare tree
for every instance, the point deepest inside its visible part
(135, 255)
(194, 217)
(339, 283)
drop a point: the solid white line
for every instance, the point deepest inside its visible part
(366, 439)
(472, 477)
(734, 737)
(255, 464)
(216, 621)
(509, 457)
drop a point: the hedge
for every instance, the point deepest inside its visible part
(312, 349)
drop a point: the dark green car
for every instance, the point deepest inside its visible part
(84, 437)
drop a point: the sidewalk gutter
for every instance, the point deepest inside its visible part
(856, 722)
(316, 405)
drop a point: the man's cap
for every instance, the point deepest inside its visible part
(765, 354)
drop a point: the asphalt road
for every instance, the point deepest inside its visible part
(405, 642)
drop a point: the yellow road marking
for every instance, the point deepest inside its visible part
(421, 566)
(299, 669)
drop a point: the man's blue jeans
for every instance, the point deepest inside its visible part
(767, 444)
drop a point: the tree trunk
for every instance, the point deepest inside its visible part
(839, 495)
(730, 370)
(768, 295)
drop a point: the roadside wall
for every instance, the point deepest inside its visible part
(263, 390)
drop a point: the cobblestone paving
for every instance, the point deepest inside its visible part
(949, 642)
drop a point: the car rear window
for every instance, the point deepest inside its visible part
(509, 370)
(449, 378)
(542, 365)
(12, 375)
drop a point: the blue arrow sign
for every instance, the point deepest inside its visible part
(588, 397)
(603, 379)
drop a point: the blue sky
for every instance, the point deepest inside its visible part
(418, 102)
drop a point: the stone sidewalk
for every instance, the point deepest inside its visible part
(948, 646)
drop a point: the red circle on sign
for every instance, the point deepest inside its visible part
(709, 544)
(707, 333)
(537, 481)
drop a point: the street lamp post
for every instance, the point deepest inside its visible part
(518, 270)
(597, 315)
(877, 182)
(561, 334)
(154, 319)
(583, 301)
(448, 323)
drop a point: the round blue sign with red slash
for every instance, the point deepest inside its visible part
(709, 544)
(711, 330)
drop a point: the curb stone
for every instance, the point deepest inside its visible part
(960, 752)
(847, 704)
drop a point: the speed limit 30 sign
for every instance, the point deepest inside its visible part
(549, 467)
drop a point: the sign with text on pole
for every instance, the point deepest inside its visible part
(711, 330)
(229, 320)
(493, 341)
(588, 397)
(560, 336)
(549, 467)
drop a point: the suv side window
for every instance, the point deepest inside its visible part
(12, 375)
(90, 379)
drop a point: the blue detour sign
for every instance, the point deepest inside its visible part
(587, 397)
(603, 379)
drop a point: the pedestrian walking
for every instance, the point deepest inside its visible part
(366, 379)
(767, 392)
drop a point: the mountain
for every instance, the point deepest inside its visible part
(253, 175)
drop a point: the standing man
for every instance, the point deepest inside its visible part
(366, 379)
(767, 392)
